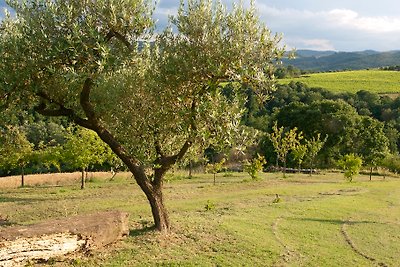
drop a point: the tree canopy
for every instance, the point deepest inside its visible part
(93, 62)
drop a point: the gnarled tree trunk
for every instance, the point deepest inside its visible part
(150, 185)
(159, 211)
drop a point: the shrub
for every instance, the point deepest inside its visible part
(254, 166)
(392, 163)
(209, 205)
(351, 165)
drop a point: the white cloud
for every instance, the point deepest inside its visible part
(166, 11)
(313, 44)
(351, 19)
(336, 29)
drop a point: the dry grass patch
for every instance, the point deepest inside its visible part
(54, 179)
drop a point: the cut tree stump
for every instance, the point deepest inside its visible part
(56, 238)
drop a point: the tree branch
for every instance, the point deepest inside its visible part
(62, 112)
(167, 162)
(157, 146)
(120, 37)
(92, 123)
(85, 101)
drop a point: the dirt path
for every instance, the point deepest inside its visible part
(350, 242)
(289, 254)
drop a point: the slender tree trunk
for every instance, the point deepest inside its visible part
(284, 168)
(214, 178)
(190, 169)
(83, 179)
(311, 167)
(113, 176)
(22, 176)
(370, 174)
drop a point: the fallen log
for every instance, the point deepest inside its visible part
(55, 238)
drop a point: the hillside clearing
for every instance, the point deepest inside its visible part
(310, 226)
(377, 81)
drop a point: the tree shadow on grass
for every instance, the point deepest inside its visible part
(334, 221)
(141, 231)
(23, 200)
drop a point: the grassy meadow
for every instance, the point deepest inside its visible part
(378, 81)
(319, 221)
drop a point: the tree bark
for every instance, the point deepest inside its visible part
(159, 211)
(190, 169)
(83, 179)
(370, 174)
(22, 176)
(284, 168)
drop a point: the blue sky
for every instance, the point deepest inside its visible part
(342, 25)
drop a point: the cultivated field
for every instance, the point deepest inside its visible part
(319, 221)
(378, 81)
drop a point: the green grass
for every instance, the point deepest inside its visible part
(378, 81)
(243, 228)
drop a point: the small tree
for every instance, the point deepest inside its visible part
(15, 150)
(299, 152)
(314, 145)
(84, 148)
(284, 142)
(254, 166)
(215, 167)
(351, 165)
(49, 156)
(373, 143)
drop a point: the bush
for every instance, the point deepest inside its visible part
(254, 166)
(209, 205)
(392, 163)
(351, 165)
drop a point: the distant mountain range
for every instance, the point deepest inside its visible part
(332, 60)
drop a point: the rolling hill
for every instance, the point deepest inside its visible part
(333, 61)
(377, 81)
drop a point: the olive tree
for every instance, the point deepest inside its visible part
(82, 149)
(15, 150)
(351, 165)
(373, 145)
(284, 142)
(90, 62)
(314, 146)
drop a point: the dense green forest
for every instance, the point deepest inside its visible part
(366, 124)
(363, 123)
